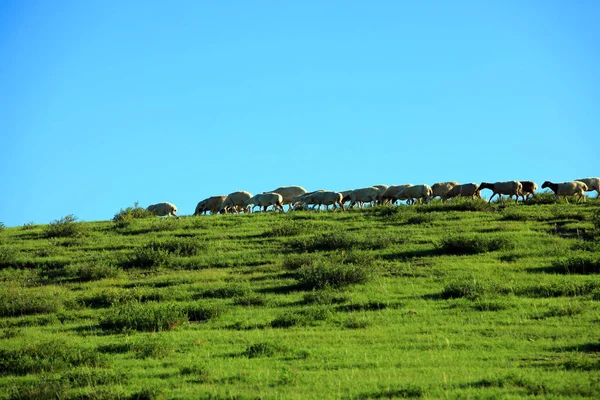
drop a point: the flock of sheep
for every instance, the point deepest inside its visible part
(298, 198)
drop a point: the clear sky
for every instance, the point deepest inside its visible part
(104, 103)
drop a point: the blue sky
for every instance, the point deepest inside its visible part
(104, 103)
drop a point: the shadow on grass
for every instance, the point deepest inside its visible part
(404, 255)
(282, 289)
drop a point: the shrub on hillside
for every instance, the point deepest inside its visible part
(148, 317)
(125, 216)
(327, 273)
(578, 264)
(91, 271)
(47, 356)
(456, 204)
(542, 198)
(339, 241)
(473, 244)
(65, 227)
(16, 301)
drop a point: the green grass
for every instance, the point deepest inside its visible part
(462, 299)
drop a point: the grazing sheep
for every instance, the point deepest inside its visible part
(162, 209)
(414, 193)
(440, 189)
(345, 196)
(288, 193)
(390, 192)
(382, 189)
(323, 198)
(297, 200)
(265, 200)
(364, 195)
(510, 188)
(212, 204)
(528, 189)
(235, 202)
(464, 190)
(592, 184)
(567, 189)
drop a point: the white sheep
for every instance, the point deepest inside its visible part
(235, 202)
(364, 195)
(162, 209)
(565, 189)
(592, 184)
(212, 204)
(440, 189)
(464, 190)
(265, 200)
(528, 188)
(288, 193)
(390, 192)
(297, 200)
(510, 188)
(323, 198)
(414, 193)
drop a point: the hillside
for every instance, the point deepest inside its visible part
(454, 300)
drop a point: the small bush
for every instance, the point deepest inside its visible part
(198, 372)
(456, 204)
(264, 349)
(559, 288)
(469, 288)
(325, 242)
(250, 299)
(147, 317)
(47, 356)
(356, 322)
(65, 227)
(420, 219)
(8, 256)
(287, 320)
(202, 312)
(149, 257)
(42, 389)
(86, 376)
(152, 346)
(29, 226)
(92, 272)
(564, 310)
(16, 301)
(125, 217)
(542, 198)
(290, 228)
(473, 244)
(325, 273)
(109, 297)
(295, 261)
(578, 264)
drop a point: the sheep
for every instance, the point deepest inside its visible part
(440, 189)
(510, 188)
(363, 195)
(345, 196)
(528, 188)
(297, 200)
(212, 204)
(382, 189)
(235, 202)
(465, 190)
(567, 189)
(324, 198)
(592, 184)
(390, 192)
(162, 209)
(265, 200)
(288, 193)
(413, 192)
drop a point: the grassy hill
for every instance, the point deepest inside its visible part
(454, 300)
